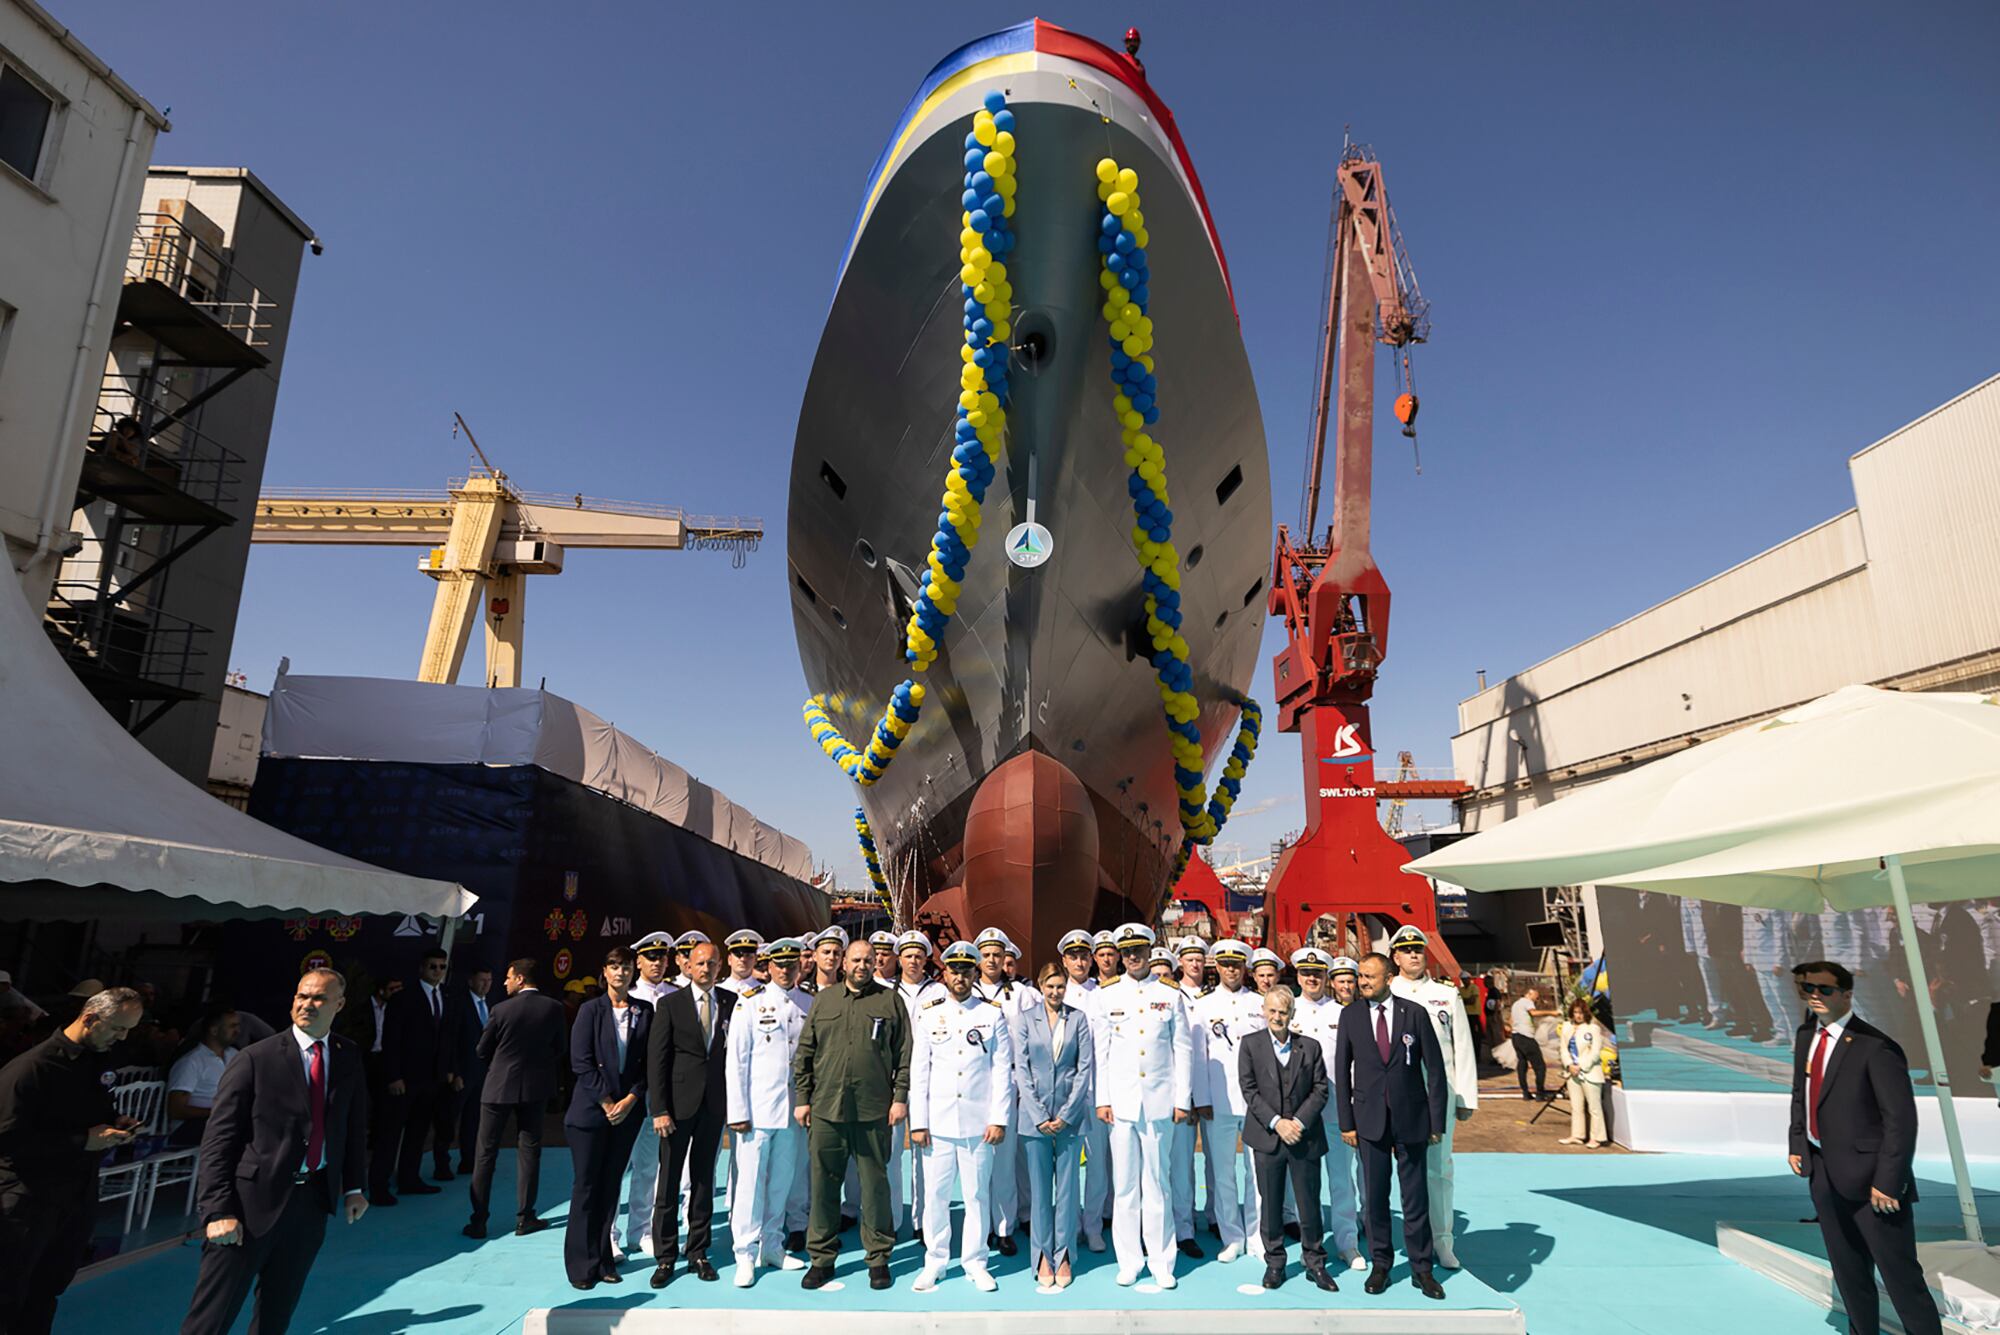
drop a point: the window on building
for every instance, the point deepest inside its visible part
(25, 112)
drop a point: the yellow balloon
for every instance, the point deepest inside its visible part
(996, 165)
(1118, 202)
(983, 131)
(1104, 189)
(1133, 347)
(1119, 330)
(1001, 329)
(1107, 170)
(1007, 206)
(1131, 314)
(1003, 142)
(1105, 280)
(1128, 180)
(1139, 237)
(997, 274)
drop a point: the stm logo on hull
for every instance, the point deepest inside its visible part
(1347, 746)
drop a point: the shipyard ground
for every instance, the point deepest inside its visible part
(1555, 1244)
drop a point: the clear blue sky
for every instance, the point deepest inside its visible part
(1684, 260)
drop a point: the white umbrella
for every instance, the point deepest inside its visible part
(1861, 799)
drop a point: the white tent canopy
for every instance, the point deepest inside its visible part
(1861, 799)
(92, 826)
(414, 722)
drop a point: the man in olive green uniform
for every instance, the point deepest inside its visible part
(850, 1084)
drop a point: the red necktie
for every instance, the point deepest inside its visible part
(1382, 1032)
(316, 1101)
(1815, 1076)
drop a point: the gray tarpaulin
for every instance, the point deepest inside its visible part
(371, 718)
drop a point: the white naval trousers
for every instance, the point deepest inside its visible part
(765, 1163)
(1340, 1194)
(1437, 1166)
(966, 1162)
(1233, 1198)
(1005, 1193)
(642, 1177)
(1140, 1231)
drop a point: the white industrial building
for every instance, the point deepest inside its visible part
(74, 143)
(1899, 591)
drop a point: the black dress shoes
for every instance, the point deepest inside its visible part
(585, 1284)
(878, 1277)
(795, 1241)
(1273, 1276)
(663, 1274)
(611, 1277)
(418, 1188)
(1426, 1284)
(1191, 1249)
(442, 1173)
(475, 1229)
(1323, 1280)
(816, 1277)
(702, 1269)
(1005, 1245)
(1378, 1282)
(530, 1225)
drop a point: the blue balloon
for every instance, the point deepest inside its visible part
(973, 158)
(1142, 401)
(1104, 245)
(1160, 535)
(1151, 415)
(996, 102)
(979, 222)
(1003, 120)
(1139, 295)
(972, 141)
(1119, 361)
(1123, 243)
(1110, 226)
(994, 205)
(983, 327)
(1115, 262)
(981, 182)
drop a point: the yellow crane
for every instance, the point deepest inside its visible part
(485, 536)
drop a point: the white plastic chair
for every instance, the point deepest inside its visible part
(173, 1166)
(140, 1100)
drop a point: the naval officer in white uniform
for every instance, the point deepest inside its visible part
(906, 1171)
(1441, 1002)
(1191, 953)
(1225, 1016)
(757, 1066)
(995, 986)
(961, 1104)
(655, 951)
(740, 949)
(1145, 1074)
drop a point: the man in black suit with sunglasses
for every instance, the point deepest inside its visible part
(1854, 1132)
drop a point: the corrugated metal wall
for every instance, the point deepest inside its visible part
(1907, 580)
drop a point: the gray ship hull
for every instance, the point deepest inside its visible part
(1050, 659)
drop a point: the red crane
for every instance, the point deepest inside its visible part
(1334, 601)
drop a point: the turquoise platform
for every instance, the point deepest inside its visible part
(1581, 1245)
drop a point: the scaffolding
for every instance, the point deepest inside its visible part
(154, 485)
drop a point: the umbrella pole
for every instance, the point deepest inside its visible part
(1934, 1050)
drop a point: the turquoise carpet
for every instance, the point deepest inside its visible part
(1583, 1245)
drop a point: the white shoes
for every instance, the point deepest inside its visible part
(983, 1281)
(1354, 1260)
(791, 1262)
(1229, 1253)
(745, 1276)
(927, 1281)
(646, 1245)
(1445, 1256)
(1127, 1278)
(618, 1253)
(1165, 1281)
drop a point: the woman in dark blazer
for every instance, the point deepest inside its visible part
(1053, 1086)
(607, 1053)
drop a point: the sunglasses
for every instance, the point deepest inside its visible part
(1821, 989)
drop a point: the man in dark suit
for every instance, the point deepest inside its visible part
(1283, 1078)
(690, 1103)
(284, 1148)
(1854, 1132)
(458, 1109)
(524, 1047)
(416, 1072)
(1390, 1095)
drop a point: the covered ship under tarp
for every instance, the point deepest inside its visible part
(1038, 790)
(574, 835)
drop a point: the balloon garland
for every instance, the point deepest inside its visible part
(1124, 275)
(985, 235)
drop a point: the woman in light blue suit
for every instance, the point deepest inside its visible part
(1053, 1066)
